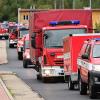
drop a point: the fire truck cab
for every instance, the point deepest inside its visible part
(26, 52)
(21, 32)
(13, 35)
(89, 67)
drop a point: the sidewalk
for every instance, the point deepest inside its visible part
(11, 86)
(17, 88)
(3, 94)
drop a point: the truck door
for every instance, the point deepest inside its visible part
(86, 61)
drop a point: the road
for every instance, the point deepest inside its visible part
(50, 91)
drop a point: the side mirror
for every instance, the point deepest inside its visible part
(45, 36)
(33, 42)
(85, 56)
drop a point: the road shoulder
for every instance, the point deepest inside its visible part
(18, 89)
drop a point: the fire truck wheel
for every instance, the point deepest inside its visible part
(92, 91)
(25, 64)
(44, 79)
(20, 57)
(70, 85)
(82, 87)
(10, 46)
(38, 77)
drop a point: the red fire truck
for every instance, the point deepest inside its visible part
(89, 67)
(21, 32)
(13, 35)
(4, 31)
(26, 52)
(72, 47)
(47, 30)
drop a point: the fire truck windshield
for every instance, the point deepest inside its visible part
(96, 51)
(23, 32)
(54, 38)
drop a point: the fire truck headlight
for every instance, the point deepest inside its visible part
(96, 67)
(28, 56)
(96, 79)
(11, 41)
(47, 71)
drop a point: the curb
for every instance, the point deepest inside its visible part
(7, 73)
(6, 90)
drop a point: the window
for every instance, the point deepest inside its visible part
(27, 17)
(88, 48)
(24, 17)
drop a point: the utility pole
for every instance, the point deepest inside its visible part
(90, 3)
(73, 4)
(55, 4)
(62, 4)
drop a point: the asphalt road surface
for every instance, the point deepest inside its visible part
(50, 91)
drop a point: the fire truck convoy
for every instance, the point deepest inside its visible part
(89, 67)
(21, 32)
(47, 30)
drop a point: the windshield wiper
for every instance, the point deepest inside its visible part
(57, 46)
(97, 57)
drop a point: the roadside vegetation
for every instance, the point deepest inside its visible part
(9, 8)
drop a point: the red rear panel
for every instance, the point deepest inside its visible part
(75, 46)
(42, 19)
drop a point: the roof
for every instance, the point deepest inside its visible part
(30, 10)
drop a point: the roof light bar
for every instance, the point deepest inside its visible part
(66, 22)
(97, 39)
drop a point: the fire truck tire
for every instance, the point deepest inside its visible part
(92, 91)
(38, 77)
(25, 64)
(44, 79)
(82, 87)
(20, 57)
(70, 85)
(11, 46)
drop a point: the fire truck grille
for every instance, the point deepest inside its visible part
(59, 62)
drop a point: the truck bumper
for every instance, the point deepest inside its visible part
(52, 71)
(13, 42)
(73, 76)
(20, 49)
(28, 61)
(6, 36)
(96, 79)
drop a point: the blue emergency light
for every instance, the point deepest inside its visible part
(97, 39)
(66, 22)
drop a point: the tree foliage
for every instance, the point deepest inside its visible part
(8, 8)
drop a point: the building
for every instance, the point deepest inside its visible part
(23, 15)
(95, 17)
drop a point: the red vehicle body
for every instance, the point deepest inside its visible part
(4, 31)
(13, 35)
(89, 67)
(21, 33)
(72, 47)
(26, 52)
(47, 41)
